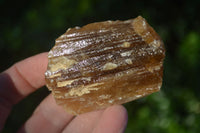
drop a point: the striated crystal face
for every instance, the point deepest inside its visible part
(105, 63)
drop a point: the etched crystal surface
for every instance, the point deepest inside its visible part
(105, 63)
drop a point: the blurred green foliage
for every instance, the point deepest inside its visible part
(30, 27)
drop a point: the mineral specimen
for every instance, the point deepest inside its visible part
(105, 63)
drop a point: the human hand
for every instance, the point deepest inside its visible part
(25, 77)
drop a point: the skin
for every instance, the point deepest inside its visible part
(25, 77)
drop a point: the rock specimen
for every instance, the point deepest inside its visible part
(105, 63)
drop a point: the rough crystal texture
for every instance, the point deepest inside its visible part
(105, 63)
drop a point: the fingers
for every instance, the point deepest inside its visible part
(51, 118)
(5, 104)
(113, 120)
(47, 118)
(84, 123)
(20, 80)
(23, 78)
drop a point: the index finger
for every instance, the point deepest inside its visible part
(23, 78)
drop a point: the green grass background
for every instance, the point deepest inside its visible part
(29, 27)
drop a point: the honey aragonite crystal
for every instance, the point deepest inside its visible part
(105, 63)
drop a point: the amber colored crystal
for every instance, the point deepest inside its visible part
(105, 63)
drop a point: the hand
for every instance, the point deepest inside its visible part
(25, 77)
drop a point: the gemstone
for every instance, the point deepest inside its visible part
(105, 63)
